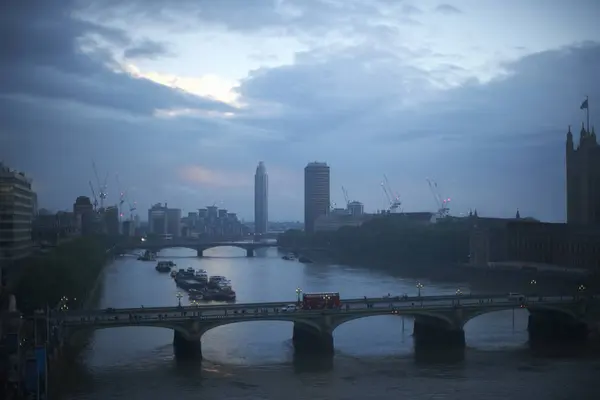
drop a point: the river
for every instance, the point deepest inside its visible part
(254, 360)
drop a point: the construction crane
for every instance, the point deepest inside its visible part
(95, 203)
(121, 196)
(441, 202)
(102, 187)
(346, 197)
(132, 207)
(392, 198)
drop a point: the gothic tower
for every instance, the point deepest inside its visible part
(583, 178)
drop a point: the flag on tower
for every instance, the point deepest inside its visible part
(584, 105)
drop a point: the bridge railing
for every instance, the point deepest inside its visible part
(239, 306)
(408, 308)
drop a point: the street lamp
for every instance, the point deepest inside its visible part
(179, 296)
(458, 292)
(419, 287)
(581, 288)
(533, 283)
(298, 293)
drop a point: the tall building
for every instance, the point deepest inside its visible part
(174, 221)
(316, 193)
(157, 219)
(111, 221)
(85, 215)
(261, 199)
(16, 214)
(583, 178)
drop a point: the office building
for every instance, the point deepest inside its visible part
(85, 215)
(261, 199)
(316, 193)
(174, 221)
(583, 178)
(111, 221)
(16, 214)
(157, 219)
(356, 208)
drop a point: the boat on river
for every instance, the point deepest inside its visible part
(148, 256)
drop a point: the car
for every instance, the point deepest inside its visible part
(289, 308)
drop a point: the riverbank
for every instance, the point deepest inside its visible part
(70, 275)
(486, 279)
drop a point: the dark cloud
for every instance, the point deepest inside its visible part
(147, 49)
(47, 53)
(270, 16)
(447, 9)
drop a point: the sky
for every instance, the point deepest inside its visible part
(182, 99)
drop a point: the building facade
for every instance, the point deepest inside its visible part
(530, 242)
(583, 178)
(317, 199)
(16, 214)
(157, 219)
(112, 221)
(261, 199)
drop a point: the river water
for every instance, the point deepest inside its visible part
(254, 360)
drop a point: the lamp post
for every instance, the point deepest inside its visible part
(419, 287)
(458, 294)
(298, 293)
(533, 283)
(580, 290)
(179, 296)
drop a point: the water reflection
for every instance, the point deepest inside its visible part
(256, 359)
(304, 363)
(424, 355)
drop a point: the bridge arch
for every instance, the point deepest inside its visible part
(533, 309)
(443, 319)
(74, 331)
(270, 318)
(247, 342)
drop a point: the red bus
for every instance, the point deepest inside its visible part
(318, 301)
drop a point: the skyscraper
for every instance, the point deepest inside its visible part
(261, 199)
(316, 193)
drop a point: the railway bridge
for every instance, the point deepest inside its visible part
(438, 320)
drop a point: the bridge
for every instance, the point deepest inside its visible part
(197, 245)
(438, 320)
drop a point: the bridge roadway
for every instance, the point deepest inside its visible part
(438, 320)
(371, 305)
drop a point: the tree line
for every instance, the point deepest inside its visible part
(68, 270)
(389, 238)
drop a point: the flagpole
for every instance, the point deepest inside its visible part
(587, 113)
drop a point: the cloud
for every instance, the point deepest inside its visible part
(147, 49)
(368, 98)
(205, 177)
(48, 54)
(447, 9)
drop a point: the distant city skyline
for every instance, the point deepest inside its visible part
(419, 91)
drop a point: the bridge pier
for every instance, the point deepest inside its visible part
(308, 340)
(249, 253)
(547, 327)
(200, 252)
(186, 348)
(428, 333)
